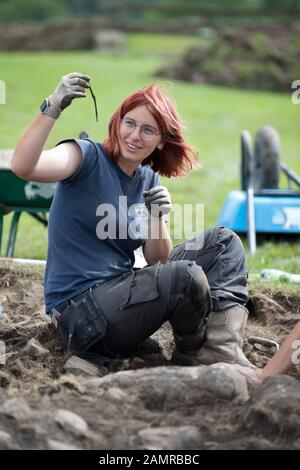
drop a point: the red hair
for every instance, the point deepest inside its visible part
(177, 157)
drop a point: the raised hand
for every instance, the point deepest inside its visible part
(71, 86)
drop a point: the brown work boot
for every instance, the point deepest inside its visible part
(224, 339)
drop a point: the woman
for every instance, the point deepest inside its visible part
(109, 202)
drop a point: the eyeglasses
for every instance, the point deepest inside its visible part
(147, 132)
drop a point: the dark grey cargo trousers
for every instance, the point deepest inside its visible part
(203, 274)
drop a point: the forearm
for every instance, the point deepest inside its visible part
(31, 144)
(158, 245)
(283, 360)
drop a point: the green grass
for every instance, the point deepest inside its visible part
(214, 118)
(163, 45)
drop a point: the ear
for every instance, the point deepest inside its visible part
(160, 146)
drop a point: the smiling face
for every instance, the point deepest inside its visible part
(138, 137)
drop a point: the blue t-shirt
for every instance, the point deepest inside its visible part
(96, 221)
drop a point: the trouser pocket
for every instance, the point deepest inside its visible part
(82, 323)
(141, 286)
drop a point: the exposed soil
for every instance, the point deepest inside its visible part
(117, 410)
(259, 58)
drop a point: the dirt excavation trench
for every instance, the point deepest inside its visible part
(50, 400)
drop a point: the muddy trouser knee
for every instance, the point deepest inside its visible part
(136, 304)
(189, 301)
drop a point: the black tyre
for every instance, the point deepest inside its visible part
(266, 159)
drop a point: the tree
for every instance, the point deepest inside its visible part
(14, 10)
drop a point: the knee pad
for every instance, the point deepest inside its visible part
(190, 280)
(198, 288)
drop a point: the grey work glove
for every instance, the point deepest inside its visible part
(71, 86)
(158, 201)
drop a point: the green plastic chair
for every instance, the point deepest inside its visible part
(17, 196)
